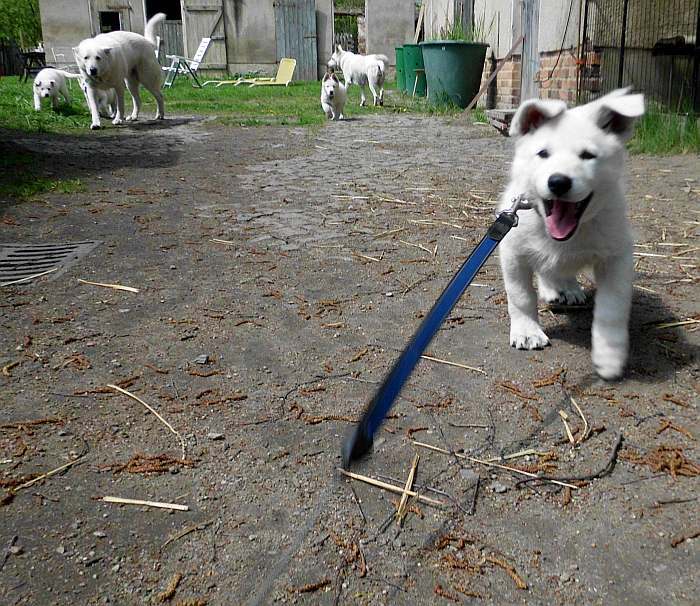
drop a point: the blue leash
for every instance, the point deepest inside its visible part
(360, 440)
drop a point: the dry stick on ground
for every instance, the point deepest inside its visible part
(391, 487)
(440, 361)
(586, 429)
(48, 474)
(519, 582)
(401, 510)
(170, 589)
(155, 412)
(43, 273)
(482, 462)
(603, 471)
(185, 531)
(157, 504)
(113, 286)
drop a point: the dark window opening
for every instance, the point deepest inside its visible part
(109, 21)
(171, 8)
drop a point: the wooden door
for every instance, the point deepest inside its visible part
(205, 19)
(295, 32)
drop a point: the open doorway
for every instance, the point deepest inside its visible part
(110, 21)
(171, 33)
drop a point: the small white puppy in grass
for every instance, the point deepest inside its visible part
(106, 99)
(334, 95)
(569, 164)
(109, 61)
(51, 83)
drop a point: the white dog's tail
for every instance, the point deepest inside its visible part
(149, 34)
(69, 75)
(383, 58)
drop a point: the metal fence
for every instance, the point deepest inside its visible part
(651, 45)
(347, 41)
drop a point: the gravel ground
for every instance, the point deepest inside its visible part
(280, 271)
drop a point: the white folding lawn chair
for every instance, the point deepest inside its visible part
(185, 65)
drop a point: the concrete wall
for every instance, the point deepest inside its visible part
(64, 24)
(324, 33)
(390, 23)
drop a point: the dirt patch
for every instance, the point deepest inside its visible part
(276, 286)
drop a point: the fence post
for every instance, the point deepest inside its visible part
(622, 44)
(530, 57)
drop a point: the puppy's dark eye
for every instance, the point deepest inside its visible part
(543, 153)
(98, 58)
(586, 155)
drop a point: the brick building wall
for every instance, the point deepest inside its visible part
(557, 79)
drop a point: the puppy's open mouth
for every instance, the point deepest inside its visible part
(562, 217)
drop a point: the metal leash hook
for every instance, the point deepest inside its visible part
(360, 440)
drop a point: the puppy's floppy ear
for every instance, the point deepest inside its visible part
(325, 77)
(534, 113)
(616, 112)
(334, 77)
(338, 48)
(52, 82)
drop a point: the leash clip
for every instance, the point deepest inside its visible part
(519, 202)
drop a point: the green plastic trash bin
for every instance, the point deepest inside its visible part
(453, 69)
(414, 72)
(400, 79)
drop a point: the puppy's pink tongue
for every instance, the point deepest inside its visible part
(562, 221)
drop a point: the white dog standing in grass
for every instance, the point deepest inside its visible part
(51, 83)
(334, 95)
(117, 59)
(362, 70)
(106, 100)
(569, 164)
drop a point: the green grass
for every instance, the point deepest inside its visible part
(19, 180)
(298, 104)
(662, 133)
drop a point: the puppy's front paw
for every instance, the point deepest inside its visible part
(95, 126)
(131, 118)
(117, 121)
(562, 295)
(609, 365)
(527, 337)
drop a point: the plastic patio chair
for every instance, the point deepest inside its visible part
(184, 65)
(285, 71)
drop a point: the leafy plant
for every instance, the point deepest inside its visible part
(476, 31)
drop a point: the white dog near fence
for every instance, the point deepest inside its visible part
(52, 84)
(334, 95)
(118, 58)
(362, 70)
(569, 165)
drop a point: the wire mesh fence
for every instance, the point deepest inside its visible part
(651, 45)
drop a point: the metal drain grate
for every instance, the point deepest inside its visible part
(20, 261)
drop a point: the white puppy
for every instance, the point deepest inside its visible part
(334, 95)
(106, 99)
(569, 164)
(118, 58)
(50, 83)
(362, 70)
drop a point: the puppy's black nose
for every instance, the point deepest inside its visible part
(93, 71)
(559, 184)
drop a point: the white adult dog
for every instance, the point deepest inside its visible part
(362, 70)
(51, 84)
(121, 58)
(569, 164)
(334, 95)
(106, 99)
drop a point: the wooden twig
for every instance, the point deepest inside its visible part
(155, 412)
(157, 504)
(401, 510)
(457, 364)
(185, 531)
(499, 466)
(391, 487)
(565, 420)
(114, 286)
(48, 474)
(43, 273)
(586, 429)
